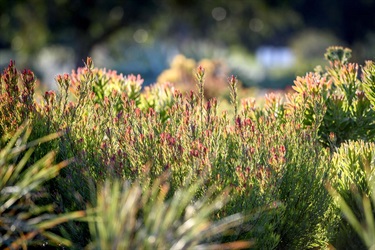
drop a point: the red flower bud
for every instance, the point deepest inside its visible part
(200, 73)
(232, 80)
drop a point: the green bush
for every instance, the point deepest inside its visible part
(17, 98)
(130, 216)
(341, 95)
(276, 159)
(280, 160)
(353, 185)
(22, 221)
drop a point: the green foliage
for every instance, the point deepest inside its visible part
(103, 83)
(341, 96)
(17, 98)
(22, 221)
(276, 159)
(284, 162)
(158, 97)
(368, 79)
(129, 216)
(352, 186)
(338, 54)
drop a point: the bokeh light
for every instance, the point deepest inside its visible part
(140, 36)
(219, 13)
(256, 25)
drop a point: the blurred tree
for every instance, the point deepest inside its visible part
(246, 22)
(28, 25)
(348, 20)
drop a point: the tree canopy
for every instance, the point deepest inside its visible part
(28, 25)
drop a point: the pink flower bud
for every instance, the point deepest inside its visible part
(200, 73)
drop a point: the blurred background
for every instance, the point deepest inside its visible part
(266, 43)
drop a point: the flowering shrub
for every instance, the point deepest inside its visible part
(181, 74)
(276, 159)
(353, 164)
(341, 96)
(104, 82)
(17, 98)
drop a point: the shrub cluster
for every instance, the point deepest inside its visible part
(179, 173)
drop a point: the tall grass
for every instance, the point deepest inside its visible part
(22, 221)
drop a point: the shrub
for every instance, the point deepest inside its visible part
(275, 158)
(352, 187)
(281, 161)
(17, 98)
(131, 216)
(341, 96)
(181, 74)
(24, 223)
(255, 152)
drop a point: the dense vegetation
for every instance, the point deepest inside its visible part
(104, 164)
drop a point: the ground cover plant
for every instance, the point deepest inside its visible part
(23, 222)
(159, 168)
